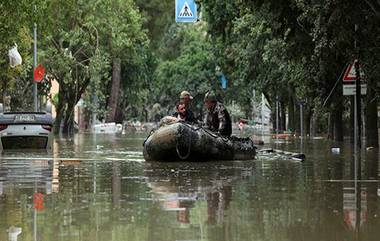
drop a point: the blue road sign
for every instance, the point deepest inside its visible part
(223, 80)
(185, 11)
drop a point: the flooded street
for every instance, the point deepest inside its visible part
(100, 188)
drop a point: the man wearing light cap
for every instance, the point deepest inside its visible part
(185, 98)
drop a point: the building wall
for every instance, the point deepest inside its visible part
(53, 91)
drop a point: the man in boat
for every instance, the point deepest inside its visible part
(217, 118)
(182, 113)
(185, 98)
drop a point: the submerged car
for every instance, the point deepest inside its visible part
(26, 130)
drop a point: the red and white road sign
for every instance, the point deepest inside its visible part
(38, 200)
(39, 73)
(350, 74)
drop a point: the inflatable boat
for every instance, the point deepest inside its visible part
(185, 142)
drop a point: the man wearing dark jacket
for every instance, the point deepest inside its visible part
(182, 114)
(217, 118)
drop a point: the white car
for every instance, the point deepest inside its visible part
(26, 130)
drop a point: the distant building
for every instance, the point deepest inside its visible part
(54, 89)
(264, 112)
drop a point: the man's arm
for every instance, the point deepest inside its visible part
(222, 120)
(206, 124)
(190, 117)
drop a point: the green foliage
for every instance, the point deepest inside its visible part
(14, 29)
(158, 17)
(193, 69)
(118, 25)
(293, 49)
(95, 99)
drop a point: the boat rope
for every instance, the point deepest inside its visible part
(212, 134)
(188, 148)
(150, 133)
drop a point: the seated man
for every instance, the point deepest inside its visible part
(185, 97)
(182, 114)
(217, 117)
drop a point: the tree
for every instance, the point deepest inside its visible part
(193, 69)
(15, 26)
(119, 27)
(275, 46)
(84, 40)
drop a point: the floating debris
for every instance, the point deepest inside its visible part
(335, 150)
(279, 154)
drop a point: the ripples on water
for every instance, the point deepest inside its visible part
(100, 188)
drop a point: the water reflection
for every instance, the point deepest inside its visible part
(193, 199)
(95, 194)
(23, 186)
(358, 188)
(13, 233)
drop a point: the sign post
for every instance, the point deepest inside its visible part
(349, 80)
(352, 87)
(35, 66)
(358, 102)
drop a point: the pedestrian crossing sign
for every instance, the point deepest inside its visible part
(185, 11)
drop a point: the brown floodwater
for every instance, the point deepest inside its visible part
(98, 187)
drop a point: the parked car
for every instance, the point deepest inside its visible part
(26, 130)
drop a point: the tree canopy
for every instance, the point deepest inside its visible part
(127, 56)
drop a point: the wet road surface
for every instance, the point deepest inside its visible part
(100, 188)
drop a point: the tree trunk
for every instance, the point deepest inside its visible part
(273, 117)
(308, 116)
(297, 121)
(283, 116)
(371, 128)
(338, 123)
(113, 100)
(3, 92)
(60, 111)
(291, 113)
(330, 128)
(68, 123)
(145, 113)
(313, 124)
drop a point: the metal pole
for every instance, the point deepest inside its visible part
(277, 117)
(301, 119)
(35, 215)
(358, 103)
(262, 115)
(253, 102)
(35, 65)
(357, 159)
(355, 129)
(94, 111)
(358, 88)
